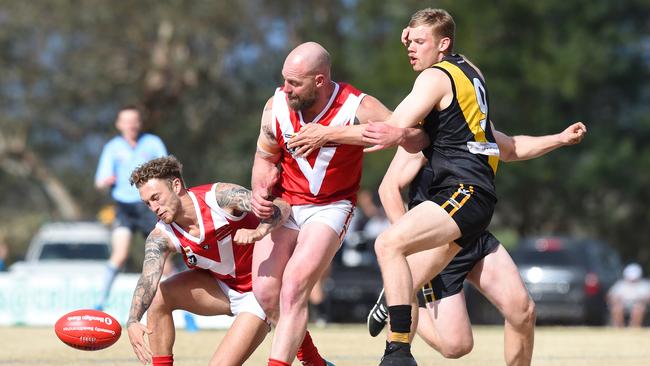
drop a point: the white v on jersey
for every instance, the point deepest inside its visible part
(215, 249)
(329, 174)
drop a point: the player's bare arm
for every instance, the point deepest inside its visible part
(157, 248)
(267, 146)
(412, 138)
(264, 174)
(401, 171)
(432, 89)
(314, 136)
(522, 147)
(235, 199)
(405, 166)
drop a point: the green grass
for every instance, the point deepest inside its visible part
(346, 345)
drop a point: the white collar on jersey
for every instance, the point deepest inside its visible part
(327, 107)
(200, 219)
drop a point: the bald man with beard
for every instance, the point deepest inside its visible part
(319, 178)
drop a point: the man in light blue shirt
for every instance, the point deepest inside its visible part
(120, 156)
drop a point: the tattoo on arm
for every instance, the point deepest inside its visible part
(154, 259)
(234, 196)
(267, 128)
(267, 143)
(268, 131)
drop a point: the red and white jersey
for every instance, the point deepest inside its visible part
(331, 173)
(215, 249)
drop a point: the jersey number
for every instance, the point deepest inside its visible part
(481, 99)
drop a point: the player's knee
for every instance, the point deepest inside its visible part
(523, 314)
(531, 312)
(268, 298)
(457, 349)
(380, 250)
(293, 294)
(389, 243)
(383, 247)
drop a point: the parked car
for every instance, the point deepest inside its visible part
(568, 278)
(67, 246)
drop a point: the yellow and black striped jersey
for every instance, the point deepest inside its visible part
(463, 148)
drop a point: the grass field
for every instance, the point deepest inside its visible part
(346, 345)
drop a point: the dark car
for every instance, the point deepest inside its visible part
(568, 278)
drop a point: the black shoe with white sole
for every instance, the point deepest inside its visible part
(378, 316)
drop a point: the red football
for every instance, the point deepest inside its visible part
(87, 329)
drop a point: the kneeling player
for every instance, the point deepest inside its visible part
(210, 226)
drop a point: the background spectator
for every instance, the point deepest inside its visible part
(629, 297)
(119, 157)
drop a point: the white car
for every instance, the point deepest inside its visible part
(80, 247)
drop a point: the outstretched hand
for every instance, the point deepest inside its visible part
(573, 134)
(136, 333)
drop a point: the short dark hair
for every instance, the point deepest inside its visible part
(167, 168)
(130, 107)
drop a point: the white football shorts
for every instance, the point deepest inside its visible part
(336, 215)
(242, 302)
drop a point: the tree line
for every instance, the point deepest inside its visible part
(202, 71)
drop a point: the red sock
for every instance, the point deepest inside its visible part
(162, 360)
(273, 362)
(308, 353)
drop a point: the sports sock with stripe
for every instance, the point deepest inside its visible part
(400, 323)
(162, 360)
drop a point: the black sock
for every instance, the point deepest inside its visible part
(400, 323)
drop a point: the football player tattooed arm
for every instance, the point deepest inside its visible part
(521, 147)
(237, 199)
(313, 135)
(157, 248)
(265, 172)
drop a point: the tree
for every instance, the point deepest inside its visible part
(203, 70)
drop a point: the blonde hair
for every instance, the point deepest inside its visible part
(441, 22)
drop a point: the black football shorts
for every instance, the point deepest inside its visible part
(450, 281)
